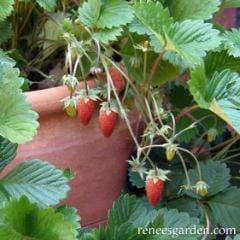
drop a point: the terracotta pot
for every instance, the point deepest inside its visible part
(99, 163)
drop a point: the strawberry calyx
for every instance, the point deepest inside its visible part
(88, 94)
(109, 107)
(70, 81)
(157, 174)
(138, 166)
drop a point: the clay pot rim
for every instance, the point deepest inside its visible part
(49, 100)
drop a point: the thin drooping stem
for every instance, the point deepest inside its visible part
(123, 112)
(195, 159)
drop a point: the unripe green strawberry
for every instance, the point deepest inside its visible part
(71, 111)
(211, 135)
(170, 151)
(70, 106)
(202, 188)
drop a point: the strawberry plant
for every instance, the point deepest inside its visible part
(170, 61)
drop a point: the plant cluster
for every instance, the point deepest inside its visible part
(170, 60)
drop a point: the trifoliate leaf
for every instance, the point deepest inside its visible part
(6, 7)
(218, 61)
(18, 123)
(7, 152)
(220, 94)
(20, 219)
(214, 173)
(48, 5)
(182, 10)
(231, 42)
(71, 216)
(191, 39)
(40, 181)
(225, 208)
(107, 35)
(145, 23)
(5, 30)
(231, 3)
(105, 13)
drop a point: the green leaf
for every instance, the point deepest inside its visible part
(231, 42)
(165, 71)
(218, 61)
(215, 174)
(71, 216)
(105, 13)
(182, 10)
(144, 22)
(225, 208)
(90, 12)
(107, 35)
(6, 7)
(5, 59)
(176, 93)
(48, 5)
(123, 209)
(20, 220)
(135, 179)
(174, 220)
(211, 122)
(18, 123)
(237, 237)
(5, 30)
(40, 181)
(185, 204)
(191, 39)
(231, 3)
(7, 152)
(130, 213)
(220, 94)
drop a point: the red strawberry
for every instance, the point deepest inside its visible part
(107, 122)
(85, 110)
(118, 80)
(154, 190)
(108, 117)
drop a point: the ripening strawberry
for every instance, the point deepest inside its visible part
(154, 190)
(118, 80)
(86, 104)
(107, 122)
(85, 110)
(108, 117)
